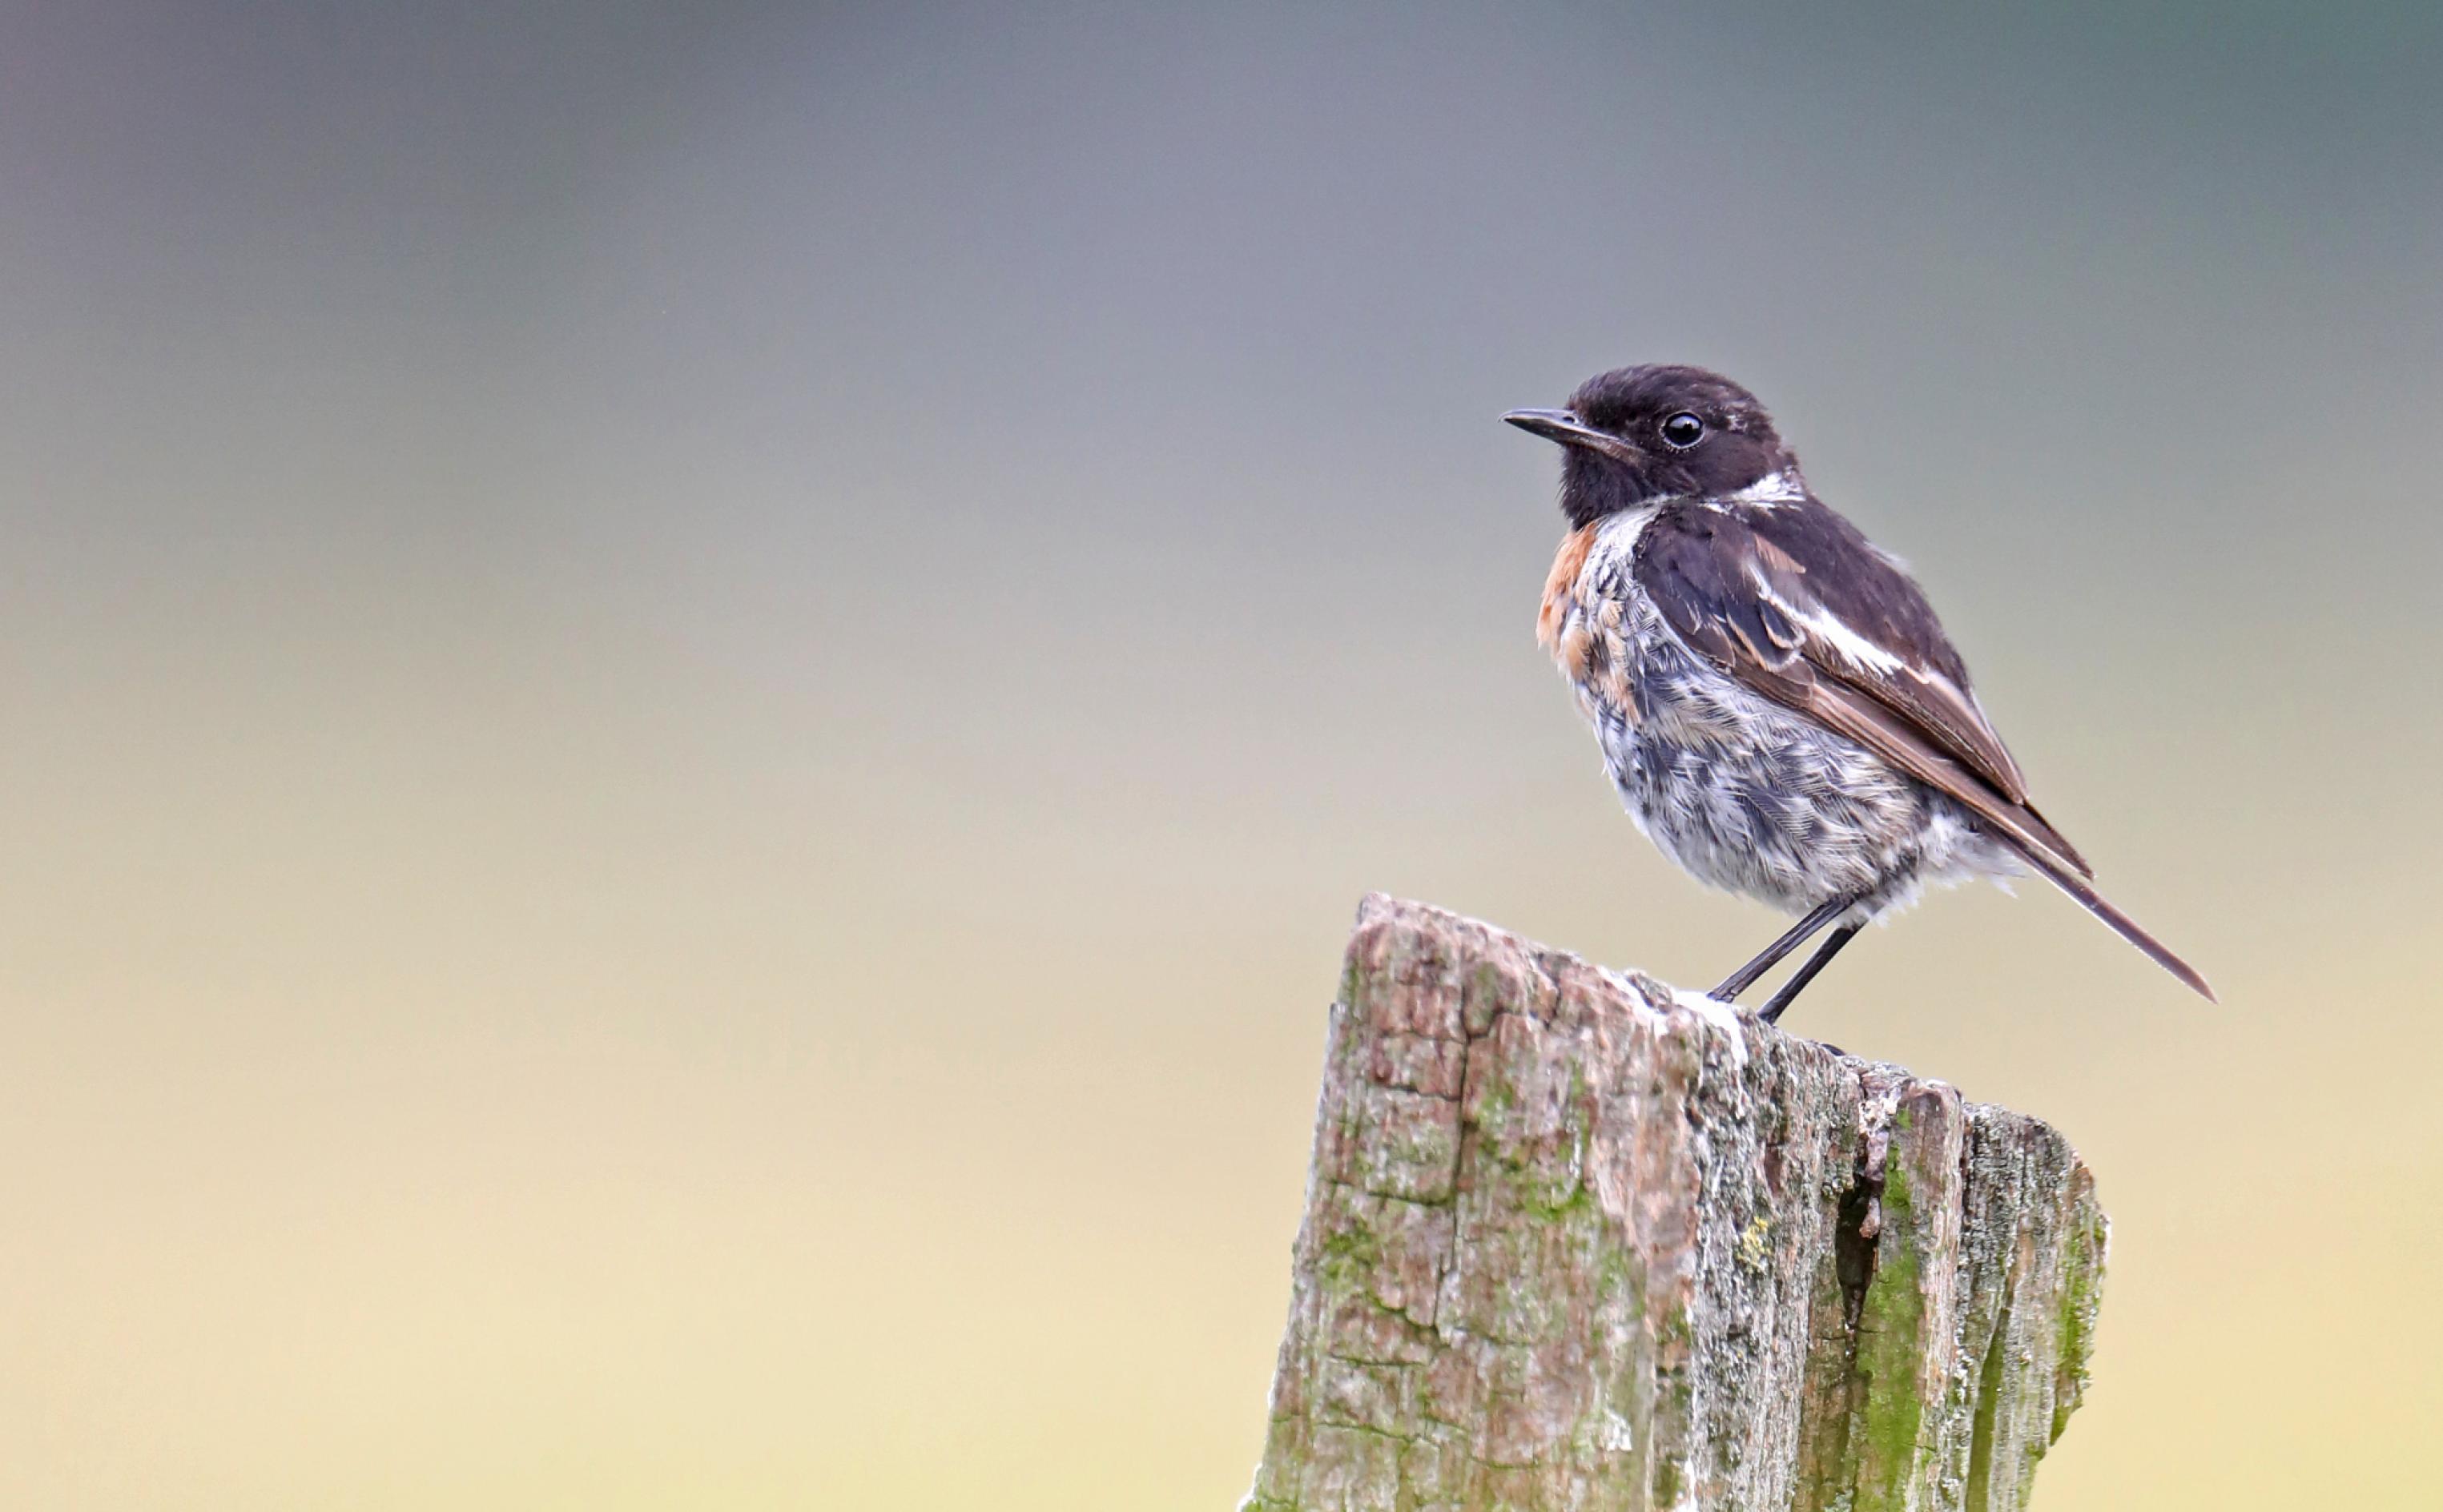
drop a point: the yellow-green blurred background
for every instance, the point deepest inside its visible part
(696, 694)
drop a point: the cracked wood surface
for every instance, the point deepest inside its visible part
(1569, 1243)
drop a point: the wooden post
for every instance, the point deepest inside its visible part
(1574, 1240)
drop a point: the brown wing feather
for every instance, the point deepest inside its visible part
(1818, 565)
(1875, 726)
(1796, 604)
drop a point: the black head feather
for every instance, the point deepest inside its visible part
(1660, 432)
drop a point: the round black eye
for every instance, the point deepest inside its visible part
(1684, 430)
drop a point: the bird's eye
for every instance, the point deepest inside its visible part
(1684, 430)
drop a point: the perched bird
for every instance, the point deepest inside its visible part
(1776, 702)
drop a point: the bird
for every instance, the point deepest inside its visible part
(1777, 705)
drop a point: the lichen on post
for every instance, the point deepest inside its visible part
(1572, 1244)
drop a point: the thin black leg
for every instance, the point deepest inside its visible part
(1799, 978)
(1800, 933)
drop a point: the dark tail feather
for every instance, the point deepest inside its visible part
(2046, 832)
(2121, 924)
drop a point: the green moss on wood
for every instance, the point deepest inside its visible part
(1890, 1348)
(2082, 1295)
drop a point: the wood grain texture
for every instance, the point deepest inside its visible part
(1571, 1245)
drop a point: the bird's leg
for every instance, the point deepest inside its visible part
(1799, 978)
(1800, 933)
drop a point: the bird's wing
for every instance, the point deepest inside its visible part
(1791, 600)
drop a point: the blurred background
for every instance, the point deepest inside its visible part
(698, 694)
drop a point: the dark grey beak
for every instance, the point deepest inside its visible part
(1566, 427)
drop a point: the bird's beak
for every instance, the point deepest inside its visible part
(1567, 429)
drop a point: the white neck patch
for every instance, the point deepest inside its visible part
(1772, 488)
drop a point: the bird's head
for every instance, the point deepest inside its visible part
(1637, 436)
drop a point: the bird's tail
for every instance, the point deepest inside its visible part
(2067, 879)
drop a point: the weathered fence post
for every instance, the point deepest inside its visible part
(1573, 1243)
